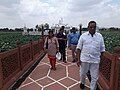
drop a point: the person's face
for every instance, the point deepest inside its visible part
(92, 28)
(74, 30)
(50, 34)
(62, 30)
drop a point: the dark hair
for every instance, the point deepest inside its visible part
(91, 22)
(73, 28)
(62, 27)
(50, 31)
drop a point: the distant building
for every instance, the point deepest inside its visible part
(25, 32)
(57, 27)
(34, 32)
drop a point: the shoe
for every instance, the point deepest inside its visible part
(82, 86)
(54, 69)
(51, 68)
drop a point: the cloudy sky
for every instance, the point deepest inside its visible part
(16, 13)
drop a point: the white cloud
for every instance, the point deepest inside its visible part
(8, 17)
(80, 5)
(74, 12)
(39, 12)
(100, 11)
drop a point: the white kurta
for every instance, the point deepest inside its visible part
(91, 47)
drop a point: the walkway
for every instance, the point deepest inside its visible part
(66, 77)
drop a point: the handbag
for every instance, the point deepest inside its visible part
(58, 55)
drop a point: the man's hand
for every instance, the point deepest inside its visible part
(78, 51)
(78, 63)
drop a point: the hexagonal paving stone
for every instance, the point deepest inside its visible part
(66, 64)
(59, 73)
(56, 80)
(77, 87)
(26, 81)
(58, 62)
(69, 58)
(40, 63)
(45, 59)
(74, 72)
(55, 86)
(45, 81)
(40, 72)
(67, 82)
(32, 86)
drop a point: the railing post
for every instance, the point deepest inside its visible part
(31, 48)
(1, 75)
(43, 40)
(117, 69)
(113, 75)
(19, 53)
(39, 41)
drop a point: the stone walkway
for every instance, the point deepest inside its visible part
(66, 77)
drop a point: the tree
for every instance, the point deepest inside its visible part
(41, 29)
(36, 26)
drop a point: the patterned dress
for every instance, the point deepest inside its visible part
(52, 46)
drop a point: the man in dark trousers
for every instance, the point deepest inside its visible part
(62, 40)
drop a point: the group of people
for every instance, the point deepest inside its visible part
(86, 50)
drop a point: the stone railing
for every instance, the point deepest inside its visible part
(15, 62)
(109, 78)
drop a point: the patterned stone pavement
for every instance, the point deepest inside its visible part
(66, 77)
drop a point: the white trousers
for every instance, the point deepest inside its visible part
(94, 72)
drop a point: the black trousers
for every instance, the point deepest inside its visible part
(63, 53)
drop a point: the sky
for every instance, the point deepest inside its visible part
(17, 13)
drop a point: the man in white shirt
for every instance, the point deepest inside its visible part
(89, 48)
